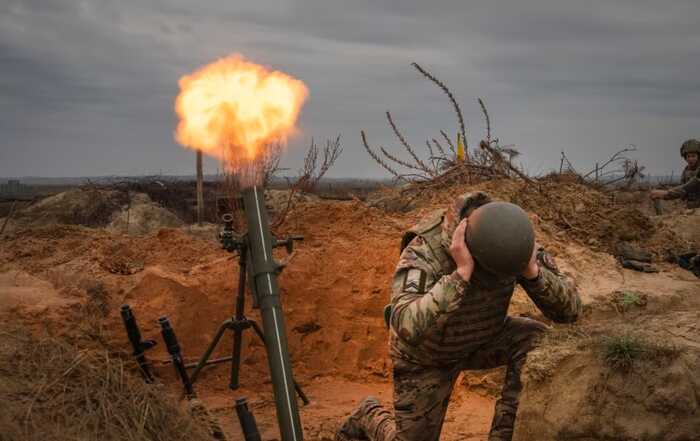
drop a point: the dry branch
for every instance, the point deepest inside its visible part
(619, 156)
(447, 91)
(625, 169)
(488, 120)
(498, 158)
(415, 157)
(397, 160)
(430, 148)
(376, 157)
(313, 172)
(282, 216)
(439, 147)
(449, 142)
(485, 163)
(433, 158)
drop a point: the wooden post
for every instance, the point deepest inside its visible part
(200, 189)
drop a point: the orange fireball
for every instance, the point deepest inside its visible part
(232, 108)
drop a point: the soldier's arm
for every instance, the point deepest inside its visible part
(681, 190)
(555, 295)
(418, 299)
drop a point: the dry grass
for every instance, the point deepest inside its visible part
(555, 345)
(53, 391)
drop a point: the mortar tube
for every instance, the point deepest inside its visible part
(264, 276)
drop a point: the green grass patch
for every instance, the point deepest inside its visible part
(626, 300)
(622, 351)
(630, 298)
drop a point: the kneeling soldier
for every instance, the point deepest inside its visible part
(450, 297)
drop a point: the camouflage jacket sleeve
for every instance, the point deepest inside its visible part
(554, 295)
(692, 184)
(420, 295)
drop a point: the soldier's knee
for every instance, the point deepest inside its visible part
(529, 329)
(538, 328)
(529, 333)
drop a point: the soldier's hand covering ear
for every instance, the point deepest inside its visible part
(460, 253)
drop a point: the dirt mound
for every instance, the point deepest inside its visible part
(132, 213)
(675, 234)
(120, 212)
(81, 206)
(59, 392)
(93, 252)
(655, 400)
(277, 200)
(333, 290)
(143, 216)
(195, 308)
(584, 214)
(633, 358)
(21, 289)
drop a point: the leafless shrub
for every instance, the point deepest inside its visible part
(317, 162)
(310, 175)
(443, 166)
(314, 170)
(618, 170)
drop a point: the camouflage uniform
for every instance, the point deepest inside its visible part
(441, 325)
(689, 190)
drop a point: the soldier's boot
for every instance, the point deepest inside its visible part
(695, 265)
(507, 406)
(368, 416)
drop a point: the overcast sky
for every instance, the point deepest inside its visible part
(87, 86)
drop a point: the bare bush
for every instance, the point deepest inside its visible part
(618, 170)
(317, 162)
(444, 165)
(313, 170)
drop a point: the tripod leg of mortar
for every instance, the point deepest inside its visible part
(240, 315)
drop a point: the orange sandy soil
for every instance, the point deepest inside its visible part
(70, 281)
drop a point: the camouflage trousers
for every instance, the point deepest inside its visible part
(421, 394)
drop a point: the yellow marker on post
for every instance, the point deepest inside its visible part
(460, 147)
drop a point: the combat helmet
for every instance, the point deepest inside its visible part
(690, 146)
(501, 238)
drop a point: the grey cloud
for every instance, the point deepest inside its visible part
(89, 85)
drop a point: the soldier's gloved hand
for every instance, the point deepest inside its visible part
(533, 268)
(460, 253)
